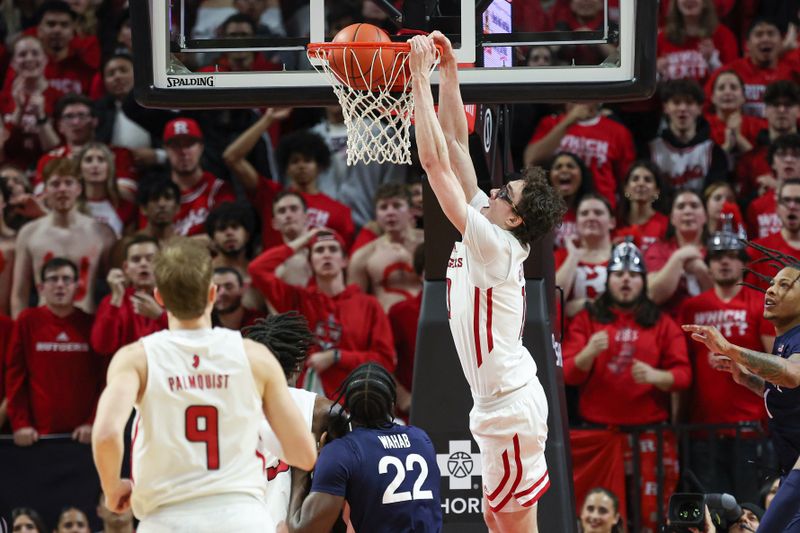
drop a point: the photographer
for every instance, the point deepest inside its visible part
(735, 518)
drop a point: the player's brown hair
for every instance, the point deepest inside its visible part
(61, 166)
(540, 206)
(183, 274)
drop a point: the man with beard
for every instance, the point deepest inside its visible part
(774, 375)
(130, 312)
(784, 160)
(715, 398)
(761, 65)
(64, 232)
(53, 378)
(384, 267)
(228, 309)
(787, 240)
(200, 190)
(623, 342)
(289, 219)
(350, 327)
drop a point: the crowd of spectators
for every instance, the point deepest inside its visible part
(92, 184)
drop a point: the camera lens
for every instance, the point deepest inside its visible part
(689, 511)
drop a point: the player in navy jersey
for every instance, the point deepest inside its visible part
(387, 473)
(776, 378)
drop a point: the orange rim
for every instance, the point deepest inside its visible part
(359, 44)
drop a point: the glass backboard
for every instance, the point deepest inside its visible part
(602, 49)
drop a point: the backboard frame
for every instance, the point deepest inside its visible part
(635, 78)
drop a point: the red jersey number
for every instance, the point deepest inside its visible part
(206, 431)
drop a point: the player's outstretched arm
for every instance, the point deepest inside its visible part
(769, 367)
(124, 383)
(453, 119)
(431, 143)
(318, 512)
(282, 413)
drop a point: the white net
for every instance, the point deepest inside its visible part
(378, 121)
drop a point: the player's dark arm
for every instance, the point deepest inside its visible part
(319, 422)
(318, 513)
(753, 383)
(769, 367)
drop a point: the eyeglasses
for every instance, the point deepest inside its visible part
(788, 201)
(76, 116)
(504, 193)
(55, 279)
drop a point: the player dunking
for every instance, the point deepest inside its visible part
(200, 394)
(486, 294)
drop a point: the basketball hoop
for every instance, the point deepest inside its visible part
(372, 82)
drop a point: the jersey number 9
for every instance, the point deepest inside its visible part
(206, 432)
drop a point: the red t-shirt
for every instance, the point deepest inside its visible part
(751, 127)
(6, 328)
(686, 61)
(404, 318)
(114, 327)
(606, 146)
(567, 229)
(715, 397)
(755, 81)
(53, 378)
(607, 393)
(23, 149)
(197, 203)
(351, 321)
(749, 166)
(654, 259)
(322, 210)
(363, 238)
(650, 232)
(74, 73)
(776, 242)
(590, 278)
(762, 216)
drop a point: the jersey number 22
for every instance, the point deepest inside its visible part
(390, 495)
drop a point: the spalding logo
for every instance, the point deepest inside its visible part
(205, 81)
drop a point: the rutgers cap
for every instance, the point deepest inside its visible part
(327, 235)
(186, 127)
(626, 256)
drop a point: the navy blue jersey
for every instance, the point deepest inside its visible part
(388, 476)
(783, 406)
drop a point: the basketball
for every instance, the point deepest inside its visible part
(354, 66)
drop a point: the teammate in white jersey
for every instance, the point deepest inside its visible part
(486, 293)
(200, 395)
(288, 337)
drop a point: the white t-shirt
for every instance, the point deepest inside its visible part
(486, 305)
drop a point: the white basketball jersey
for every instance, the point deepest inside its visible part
(486, 305)
(277, 473)
(196, 428)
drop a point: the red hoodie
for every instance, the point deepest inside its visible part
(53, 378)
(114, 327)
(351, 321)
(608, 394)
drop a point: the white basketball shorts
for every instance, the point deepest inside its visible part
(212, 514)
(511, 432)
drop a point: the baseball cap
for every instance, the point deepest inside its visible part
(327, 235)
(186, 127)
